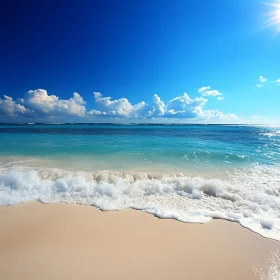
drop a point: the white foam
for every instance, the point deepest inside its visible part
(250, 197)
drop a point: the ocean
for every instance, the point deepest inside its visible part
(191, 173)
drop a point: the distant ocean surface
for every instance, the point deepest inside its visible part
(192, 173)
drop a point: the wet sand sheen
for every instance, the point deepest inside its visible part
(60, 241)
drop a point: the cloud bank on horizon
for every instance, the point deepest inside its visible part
(38, 106)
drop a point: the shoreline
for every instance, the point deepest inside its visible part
(143, 211)
(194, 199)
(58, 241)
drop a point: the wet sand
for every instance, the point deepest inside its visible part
(60, 241)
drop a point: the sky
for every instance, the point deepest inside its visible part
(203, 61)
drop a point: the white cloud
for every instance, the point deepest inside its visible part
(265, 82)
(211, 93)
(220, 98)
(8, 98)
(159, 106)
(216, 114)
(181, 107)
(202, 89)
(97, 113)
(120, 108)
(206, 91)
(262, 79)
(43, 104)
(10, 108)
(185, 107)
(38, 106)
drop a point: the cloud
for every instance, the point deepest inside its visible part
(97, 113)
(180, 107)
(216, 114)
(41, 103)
(202, 89)
(10, 108)
(159, 106)
(220, 98)
(119, 108)
(185, 107)
(262, 79)
(206, 91)
(39, 106)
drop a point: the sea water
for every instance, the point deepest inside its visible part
(192, 173)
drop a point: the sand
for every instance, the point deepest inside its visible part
(60, 241)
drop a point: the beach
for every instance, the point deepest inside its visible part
(62, 241)
(140, 140)
(90, 201)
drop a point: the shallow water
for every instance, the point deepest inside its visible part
(192, 173)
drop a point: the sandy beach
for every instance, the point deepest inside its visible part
(60, 241)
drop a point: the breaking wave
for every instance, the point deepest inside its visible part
(250, 196)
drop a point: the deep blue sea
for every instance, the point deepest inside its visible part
(192, 173)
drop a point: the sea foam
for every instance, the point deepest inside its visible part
(250, 196)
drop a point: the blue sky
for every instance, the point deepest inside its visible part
(145, 61)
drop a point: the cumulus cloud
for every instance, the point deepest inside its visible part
(181, 107)
(10, 108)
(159, 106)
(42, 103)
(185, 107)
(207, 91)
(220, 98)
(119, 108)
(278, 82)
(38, 105)
(259, 85)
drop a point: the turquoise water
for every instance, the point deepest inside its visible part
(191, 173)
(180, 147)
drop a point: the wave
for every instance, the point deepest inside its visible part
(274, 133)
(249, 196)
